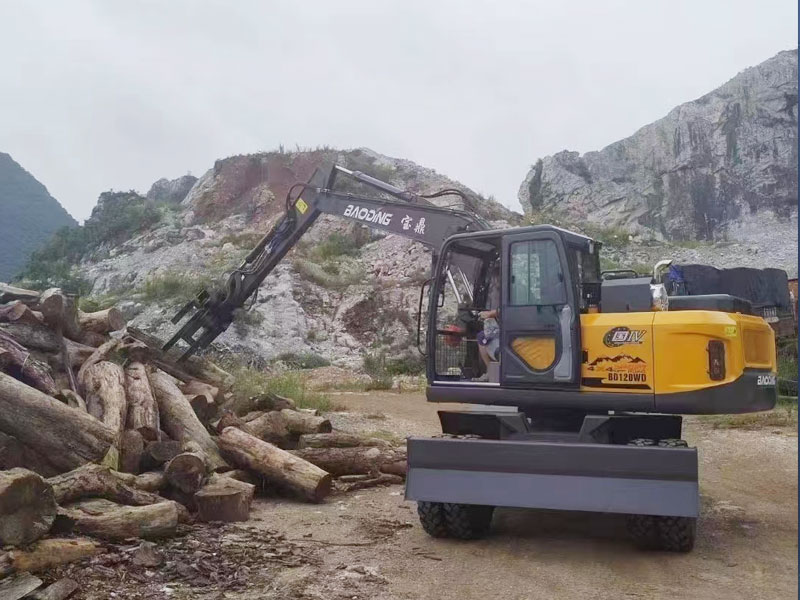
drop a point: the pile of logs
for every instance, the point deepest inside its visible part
(102, 435)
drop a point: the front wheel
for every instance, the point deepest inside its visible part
(467, 521)
(673, 534)
(431, 516)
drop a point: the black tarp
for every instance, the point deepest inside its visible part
(762, 287)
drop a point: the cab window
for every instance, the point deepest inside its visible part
(536, 276)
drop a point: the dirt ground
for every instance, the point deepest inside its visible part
(369, 544)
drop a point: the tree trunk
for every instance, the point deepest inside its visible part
(27, 507)
(194, 367)
(16, 360)
(102, 321)
(106, 520)
(277, 465)
(142, 406)
(33, 337)
(224, 500)
(77, 353)
(300, 423)
(179, 420)
(101, 482)
(157, 453)
(14, 453)
(59, 590)
(186, 472)
(60, 312)
(18, 586)
(203, 406)
(131, 450)
(66, 436)
(9, 293)
(19, 312)
(51, 552)
(104, 385)
(350, 461)
(198, 387)
(270, 427)
(337, 439)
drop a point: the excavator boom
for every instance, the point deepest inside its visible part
(409, 215)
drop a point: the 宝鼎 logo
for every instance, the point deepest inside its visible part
(623, 335)
(766, 379)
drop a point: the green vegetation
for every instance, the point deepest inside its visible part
(117, 217)
(95, 303)
(304, 360)
(375, 366)
(174, 285)
(251, 381)
(342, 275)
(335, 246)
(244, 239)
(245, 320)
(30, 216)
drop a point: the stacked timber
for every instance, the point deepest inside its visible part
(103, 436)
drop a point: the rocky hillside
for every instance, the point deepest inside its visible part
(344, 292)
(30, 216)
(717, 172)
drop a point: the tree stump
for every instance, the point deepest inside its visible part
(27, 507)
(224, 500)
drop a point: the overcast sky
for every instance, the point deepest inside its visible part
(116, 94)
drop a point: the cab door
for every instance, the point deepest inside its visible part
(539, 316)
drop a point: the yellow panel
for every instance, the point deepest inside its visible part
(538, 352)
(618, 352)
(681, 347)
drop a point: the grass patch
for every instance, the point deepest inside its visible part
(339, 277)
(250, 382)
(336, 245)
(243, 239)
(95, 303)
(375, 366)
(783, 415)
(387, 436)
(174, 285)
(304, 360)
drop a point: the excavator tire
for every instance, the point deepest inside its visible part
(467, 521)
(672, 443)
(643, 531)
(676, 534)
(431, 515)
(642, 442)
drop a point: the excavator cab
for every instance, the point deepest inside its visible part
(539, 280)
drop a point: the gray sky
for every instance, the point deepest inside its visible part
(116, 94)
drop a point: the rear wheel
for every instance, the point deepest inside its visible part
(467, 521)
(431, 515)
(676, 534)
(672, 443)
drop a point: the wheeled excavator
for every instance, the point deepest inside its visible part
(580, 406)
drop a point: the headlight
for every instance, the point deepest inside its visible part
(658, 294)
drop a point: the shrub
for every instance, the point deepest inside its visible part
(95, 303)
(313, 272)
(304, 360)
(174, 285)
(336, 245)
(375, 366)
(250, 382)
(243, 239)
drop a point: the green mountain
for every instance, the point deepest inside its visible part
(30, 216)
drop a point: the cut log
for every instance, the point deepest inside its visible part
(131, 450)
(106, 520)
(51, 552)
(382, 479)
(98, 481)
(92, 339)
(180, 422)
(101, 353)
(60, 312)
(186, 472)
(33, 337)
(270, 427)
(18, 586)
(198, 387)
(66, 436)
(278, 466)
(203, 406)
(16, 360)
(77, 353)
(224, 500)
(27, 507)
(104, 385)
(350, 461)
(260, 402)
(71, 399)
(9, 293)
(239, 475)
(142, 406)
(102, 321)
(151, 481)
(338, 439)
(194, 367)
(228, 419)
(157, 453)
(14, 453)
(61, 589)
(252, 415)
(300, 423)
(19, 312)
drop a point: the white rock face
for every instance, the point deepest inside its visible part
(720, 168)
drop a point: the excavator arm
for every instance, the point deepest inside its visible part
(410, 215)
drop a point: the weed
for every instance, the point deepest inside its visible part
(243, 239)
(388, 436)
(336, 245)
(174, 286)
(245, 320)
(250, 382)
(304, 360)
(95, 303)
(313, 272)
(375, 366)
